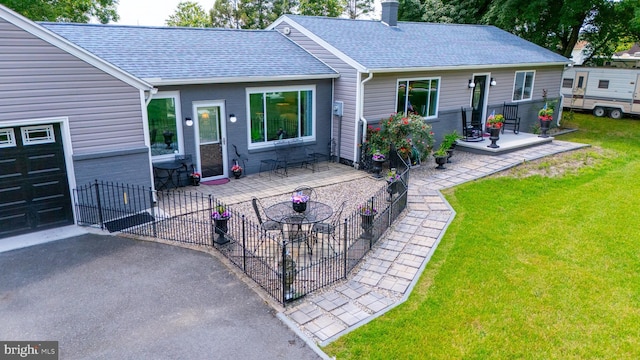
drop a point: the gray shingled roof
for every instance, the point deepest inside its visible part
(417, 45)
(193, 53)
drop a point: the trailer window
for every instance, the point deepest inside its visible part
(603, 84)
(580, 82)
(567, 83)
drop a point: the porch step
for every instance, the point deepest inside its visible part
(508, 142)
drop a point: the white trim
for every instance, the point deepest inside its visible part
(71, 48)
(237, 79)
(11, 138)
(465, 67)
(222, 136)
(533, 81)
(179, 135)
(330, 48)
(439, 78)
(28, 140)
(269, 89)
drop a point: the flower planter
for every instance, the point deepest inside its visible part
(377, 167)
(544, 127)
(366, 222)
(221, 228)
(299, 207)
(195, 180)
(449, 155)
(237, 174)
(494, 133)
(440, 160)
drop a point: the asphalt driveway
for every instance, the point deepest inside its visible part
(106, 297)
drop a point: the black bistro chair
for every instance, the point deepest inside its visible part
(511, 118)
(265, 225)
(328, 230)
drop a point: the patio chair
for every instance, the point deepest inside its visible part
(471, 131)
(241, 158)
(265, 225)
(327, 229)
(511, 118)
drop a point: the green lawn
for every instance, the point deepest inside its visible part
(532, 267)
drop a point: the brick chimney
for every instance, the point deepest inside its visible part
(390, 12)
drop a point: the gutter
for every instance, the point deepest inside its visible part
(151, 92)
(237, 79)
(363, 121)
(464, 67)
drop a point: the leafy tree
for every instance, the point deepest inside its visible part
(554, 24)
(355, 8)
(411, 10)
(225, 14)
(189, 14)
(331, 8)
(80, 11)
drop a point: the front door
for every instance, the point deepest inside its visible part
(579, 87)
(478, 99)
(211, 139)
(635, 107)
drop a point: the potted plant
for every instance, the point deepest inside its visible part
(441, 157)
(299, 202)
(449, 142)
(494, 124)
(378, 158)
(545, 115)
(408, 133)
(367, 214)
(195, 178)
(392, 181)
(236, 170)
(221, 216)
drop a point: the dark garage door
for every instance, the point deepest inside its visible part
(34, 192)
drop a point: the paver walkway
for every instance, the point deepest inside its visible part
(391, 270)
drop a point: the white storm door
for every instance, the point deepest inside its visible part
(211, 143)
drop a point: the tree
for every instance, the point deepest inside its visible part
(80, 11)
(225, 14)
(554, 24)
(411, 10)
(189, 14)
(355, 8)
(331, 8)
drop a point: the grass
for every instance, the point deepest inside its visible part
(532, 267)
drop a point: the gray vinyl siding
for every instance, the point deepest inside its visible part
(129, 167)
(380, 95)
(38, 80)
(235, 99)
(345, 88)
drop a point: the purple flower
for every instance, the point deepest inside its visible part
(299, 198)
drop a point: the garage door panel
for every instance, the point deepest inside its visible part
(43, 164)
(49, 216)
(12, 194)
(9, 168)
(14, 220)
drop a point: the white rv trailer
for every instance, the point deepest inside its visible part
(605, 91)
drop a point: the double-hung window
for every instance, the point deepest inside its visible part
(280, 113)
(523, 85)
(418, 96)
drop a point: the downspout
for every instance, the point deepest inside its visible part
(363, 122)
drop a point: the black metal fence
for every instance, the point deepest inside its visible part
(284, 267)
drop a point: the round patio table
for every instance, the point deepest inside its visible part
(283, 213)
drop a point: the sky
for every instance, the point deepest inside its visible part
(156, 12)
(151, 12)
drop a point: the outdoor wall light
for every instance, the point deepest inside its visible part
(471, 84)
(188, 121)
(233, 118)
(493, 82)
